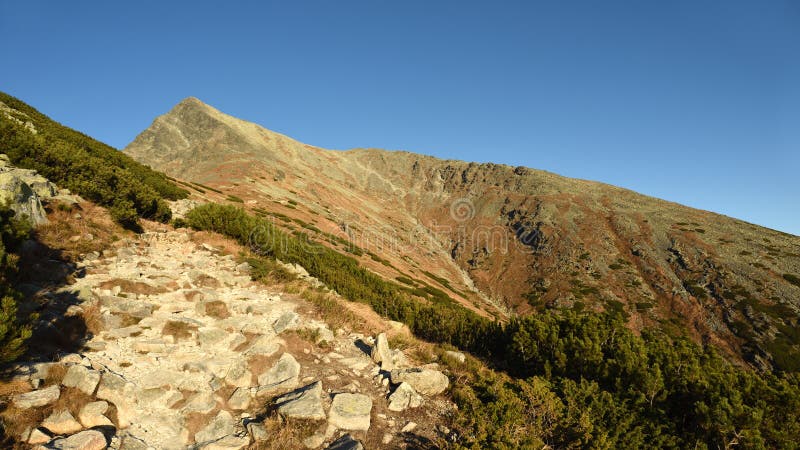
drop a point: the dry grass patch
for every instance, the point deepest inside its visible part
(14, 387)
(226, 246)
(55, 374)
(196, 421)
(207, 281)
(259, 364)
(64, 225)
(285, 433)
(329, 308)
(179, 330)
(92, 316)
(133, 287)
(249, 338)
(217, 309)
(182, 402)
(193, 295)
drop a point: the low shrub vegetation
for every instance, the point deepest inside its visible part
(564, 379)
(13, 332)
(87, 167)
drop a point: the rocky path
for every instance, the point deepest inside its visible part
(192, 354)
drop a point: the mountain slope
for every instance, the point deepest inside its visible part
(503, 240)
(84, 165)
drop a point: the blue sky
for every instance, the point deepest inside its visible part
(692, 101)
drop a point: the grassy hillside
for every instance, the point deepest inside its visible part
(84, 165)
(566, 379)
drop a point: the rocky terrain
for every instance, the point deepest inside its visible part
(502, 240)
(185, 351)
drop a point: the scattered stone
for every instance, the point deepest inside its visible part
(381, 353)
(230, 442)
(159, 378)
(315, 440)
(456, 356)
(424, 381)
(201, 402)
(324, 336)
(222, 425)
(404, 397)
(92, 415)
(118, 391)
(285, 321)
(240, 399)
(346, 442)
(81, 378)
(303, 403)
(283, 375)
(257, 431)
(409, 427)
(152, 396)
(209, 336)
(85, 440)
(356, 363)
(239, 374)
(35, 399)
(38, 436)
(61, 422)
(235, 340)
(387, 438)
(351, 411)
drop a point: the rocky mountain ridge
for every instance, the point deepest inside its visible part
(502, 240)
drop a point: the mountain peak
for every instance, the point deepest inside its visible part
(192, 104)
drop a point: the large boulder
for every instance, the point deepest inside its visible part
(424, 381)
(35, 399)
(240, 399)
(81, 378)
(20, 197)
(381, 353)
(85, 440)
(92, 415)
(404, 397)
(283, 375)
(303, 403)
(239, 374)
(61, 422)
(351, 412)
(120, 392)
(222, 425)
(287, 320)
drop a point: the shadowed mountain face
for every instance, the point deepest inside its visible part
(503, 240)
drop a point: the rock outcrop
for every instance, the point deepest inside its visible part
(23, 190)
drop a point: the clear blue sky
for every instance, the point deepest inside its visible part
(692, 101)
